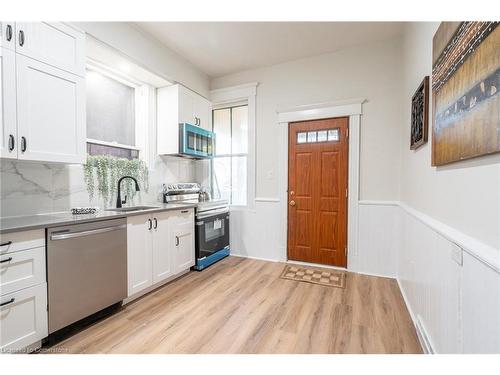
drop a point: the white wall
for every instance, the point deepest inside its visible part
(445, 210)
(372, 71)
(464, 195)
(146, 51)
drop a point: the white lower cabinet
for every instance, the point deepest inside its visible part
(23, 291)
(163, 266)
(23, 319)
(183, 232)
(159, 246)
(139, 253)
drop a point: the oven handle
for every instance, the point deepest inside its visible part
(204, 215)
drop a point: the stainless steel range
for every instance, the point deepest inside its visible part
(212, 221)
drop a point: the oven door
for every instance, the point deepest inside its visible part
(212, 232)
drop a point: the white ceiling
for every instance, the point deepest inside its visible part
(220, 48)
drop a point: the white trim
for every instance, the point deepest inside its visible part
(341, 108)
(112, 144)
(266, 199)
(486, 254)
(256, 258)
(338, 108)
(408, 307)
(239, 93)
(378, 203)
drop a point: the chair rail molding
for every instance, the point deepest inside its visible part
(352, 108)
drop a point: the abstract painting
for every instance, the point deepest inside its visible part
(465, 85)
(420, 115)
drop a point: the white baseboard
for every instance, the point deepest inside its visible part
(256, 258)
(410, 311)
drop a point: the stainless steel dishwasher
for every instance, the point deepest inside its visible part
(86, 268)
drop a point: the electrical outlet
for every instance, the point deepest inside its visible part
(457, 254)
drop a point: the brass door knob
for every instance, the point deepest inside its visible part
(292, 193)
(292, 203)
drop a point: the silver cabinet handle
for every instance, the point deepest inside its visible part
(176, 240)
(63, 236)
(150, 224)
(24, 144)
(8, 33)
(156, 223)
(21, 38)
(6, 243)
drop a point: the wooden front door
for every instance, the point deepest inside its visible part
(317, 191)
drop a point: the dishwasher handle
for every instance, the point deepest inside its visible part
(63, 236)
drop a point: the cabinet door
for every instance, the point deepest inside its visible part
(8, 35)
(163, 251)
(52, 43)
(183, 233)
(186, 106)
(139, 253)
(203, 112)
(23, 318)
(8, 125)
(51, 113)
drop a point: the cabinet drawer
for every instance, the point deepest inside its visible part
(186, 215)
(21, 270)
(17, 241)
(24, 318)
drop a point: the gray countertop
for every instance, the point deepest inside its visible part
(20, 223)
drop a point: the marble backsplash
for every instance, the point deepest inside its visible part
(28, 188)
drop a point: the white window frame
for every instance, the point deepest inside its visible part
(227, 97)
(145, 108)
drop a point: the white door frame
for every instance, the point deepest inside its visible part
(352, 108)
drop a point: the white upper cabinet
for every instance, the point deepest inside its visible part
(8, 122)
(50, 113)
(8, 35)
(176, 104)
(43, 93)
(55, 44)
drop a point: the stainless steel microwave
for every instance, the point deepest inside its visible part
(196, 142)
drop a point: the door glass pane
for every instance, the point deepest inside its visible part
(239, 134)
(239, 181)
(322, 137)
(222, 129)
(311, 137)
(222, 178)
(333, 135)
(301, 137)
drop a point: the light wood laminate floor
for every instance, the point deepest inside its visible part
(242, 306)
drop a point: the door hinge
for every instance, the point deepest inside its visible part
(347, 132)
(345, 251)
(346, 193)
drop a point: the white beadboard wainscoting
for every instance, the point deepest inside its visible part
(450, 281)
(451, 284)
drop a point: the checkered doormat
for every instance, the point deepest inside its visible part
(319, 276)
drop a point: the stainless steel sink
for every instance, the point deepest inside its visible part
(134, 208)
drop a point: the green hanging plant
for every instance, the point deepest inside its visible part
(104, 171)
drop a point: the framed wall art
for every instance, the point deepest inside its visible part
(465, 85)
(420, 115)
